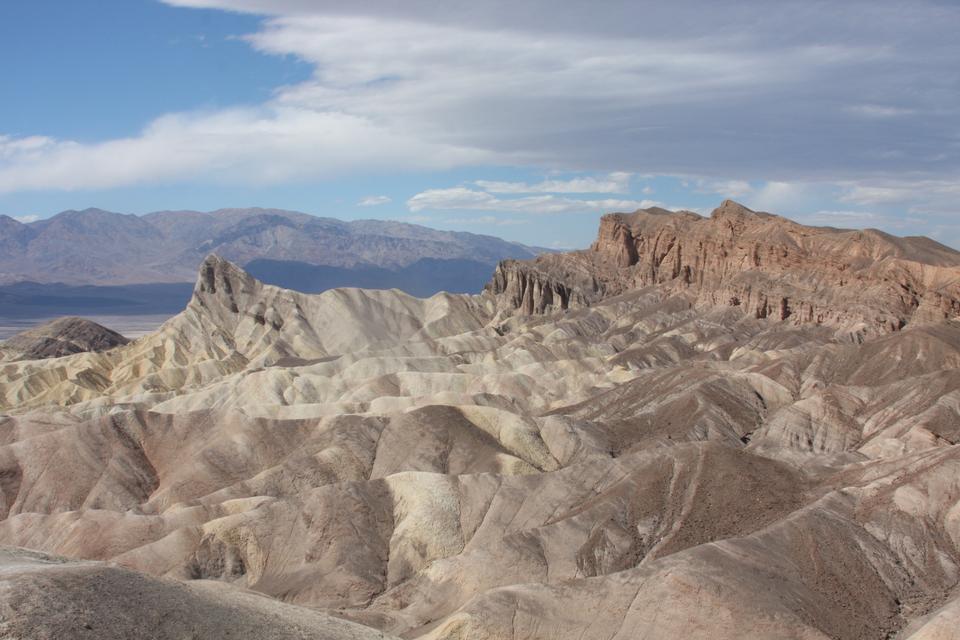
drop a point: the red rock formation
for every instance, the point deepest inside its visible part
(768, 266)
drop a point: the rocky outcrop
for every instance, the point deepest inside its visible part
(519, 285)
(765, 265)
(234, 321)
(46, 597)
(62, 337)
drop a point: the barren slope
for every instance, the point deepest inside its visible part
(651, 461)
(60, 337)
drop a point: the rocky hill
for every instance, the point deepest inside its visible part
(762, 264)
(60, 337)
(634, 456)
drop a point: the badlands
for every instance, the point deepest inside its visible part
(718, 427)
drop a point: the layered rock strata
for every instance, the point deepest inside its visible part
(764, 265)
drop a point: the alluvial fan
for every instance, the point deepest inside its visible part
(724, 427)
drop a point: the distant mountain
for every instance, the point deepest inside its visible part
(104, 248)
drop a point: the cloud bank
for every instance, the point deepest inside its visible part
(861, 99)
(464, 199)
(616, 182)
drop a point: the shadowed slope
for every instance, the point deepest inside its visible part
(61, 337)
(48, 598)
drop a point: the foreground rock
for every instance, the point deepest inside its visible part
(44, 597)
(645, 462)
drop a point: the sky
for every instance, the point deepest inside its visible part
(525, 120)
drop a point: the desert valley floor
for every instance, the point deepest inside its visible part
(701, 427)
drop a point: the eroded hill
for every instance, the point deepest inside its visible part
(604, 444)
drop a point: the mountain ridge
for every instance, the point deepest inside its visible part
(767, 265)
(94, 246)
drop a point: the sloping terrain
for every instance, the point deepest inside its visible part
(645, 460)
(61, 337)
(47, 598)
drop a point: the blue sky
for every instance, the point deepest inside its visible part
(525, 122)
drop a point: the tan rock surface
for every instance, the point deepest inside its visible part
(48, 598)
(642, 460)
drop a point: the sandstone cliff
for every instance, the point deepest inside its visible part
(765, 265)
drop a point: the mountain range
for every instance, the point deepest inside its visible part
(711, 428)
(141, 268)
(96, 247)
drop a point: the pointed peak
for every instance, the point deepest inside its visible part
(217, 272)
(225, 295)
(216, 261)
(731, 208)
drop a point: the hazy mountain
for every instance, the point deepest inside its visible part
(709, 428)
(14, 236)
(104, 248)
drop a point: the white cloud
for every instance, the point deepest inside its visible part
(550, 103)
(683, 89)
(272, 145)
(453, 198)
(486, 221)
(29, 146)
(867, 194)
(374, 201)
(841, 218)
(777, 196)
(730, 188)
(462, 198)
(879, 111)
(395, 92)
(917, 196)
(859, 220)
(617, 182)
(26, 219)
